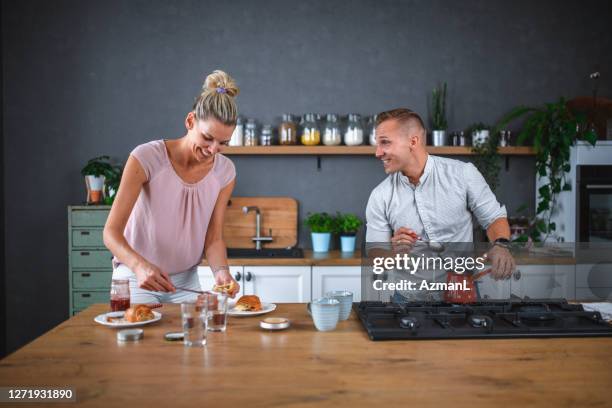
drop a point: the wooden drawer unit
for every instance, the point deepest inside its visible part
(87, 237)
(89, 262)
(91, 279)
(82, 300)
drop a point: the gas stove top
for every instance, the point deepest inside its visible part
(482, 320)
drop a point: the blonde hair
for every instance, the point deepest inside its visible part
(217, 99)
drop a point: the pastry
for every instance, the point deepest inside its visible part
(226, 288)
(138, 313)
(248, 303)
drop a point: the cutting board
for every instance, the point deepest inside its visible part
(278, 213)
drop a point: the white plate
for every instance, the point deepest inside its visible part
(122, 323)
(265, 308)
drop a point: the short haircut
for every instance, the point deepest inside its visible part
(403, 116)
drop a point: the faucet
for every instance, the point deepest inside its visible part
(258, 238)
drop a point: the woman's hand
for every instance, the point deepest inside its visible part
(150, 277)
(224, 277)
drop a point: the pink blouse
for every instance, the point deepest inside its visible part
(170, 218)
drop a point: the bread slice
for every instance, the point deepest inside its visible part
(248, 303)
(227, 288)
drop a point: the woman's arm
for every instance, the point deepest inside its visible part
(214, 247)
(149, 276)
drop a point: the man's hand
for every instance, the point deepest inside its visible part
(502, 262)
(404, 236)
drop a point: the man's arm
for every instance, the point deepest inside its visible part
(499, 229)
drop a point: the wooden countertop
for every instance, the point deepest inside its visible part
(247, 366)
(338, 258)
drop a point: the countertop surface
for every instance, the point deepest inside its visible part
(338, 258)
(247, 366)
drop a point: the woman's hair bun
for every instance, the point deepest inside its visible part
(220, 82)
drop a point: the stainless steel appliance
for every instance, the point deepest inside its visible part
(486, 320)
(594, 204)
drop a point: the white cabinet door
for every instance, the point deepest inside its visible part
(544, 281)
(207, 280)
(328, 278)
(278, 284)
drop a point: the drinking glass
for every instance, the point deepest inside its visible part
(194, 317)
(217, 311)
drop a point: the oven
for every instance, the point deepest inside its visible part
(594, 203)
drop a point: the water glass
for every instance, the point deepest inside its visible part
(217, 311)
(325, 313)
(194, 317)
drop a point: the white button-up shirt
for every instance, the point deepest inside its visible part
(439, 208)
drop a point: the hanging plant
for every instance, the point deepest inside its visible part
(553, 129)
(486, 157)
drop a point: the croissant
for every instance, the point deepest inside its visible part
(138, 313)
(249, 303)
(226, 288)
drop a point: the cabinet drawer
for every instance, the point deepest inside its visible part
(81, 300)
(91, 237)
(91, 280)
(91, 218)
(91, 259)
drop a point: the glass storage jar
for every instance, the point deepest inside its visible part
(266, 135)
(311, 135)
(238, 134)
(332, 136)
(354, 131)
(250, 133)
(372, 129)
(287, 131)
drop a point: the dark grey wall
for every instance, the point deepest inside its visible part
(84, 78)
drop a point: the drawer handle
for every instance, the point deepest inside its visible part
(238, 276)
(85, 295)
(85, 274)
(248, 276)
(84, 253)
(517, 275)
(84, 232)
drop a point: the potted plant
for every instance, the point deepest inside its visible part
(321, 226)
(347, 226)
(554, 128)
(438, 116)
(480, 133)
(485, 148)
(112, 181)
(95, 172)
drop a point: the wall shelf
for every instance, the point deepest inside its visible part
(361, 150)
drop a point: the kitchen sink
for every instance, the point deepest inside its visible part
(265, 253)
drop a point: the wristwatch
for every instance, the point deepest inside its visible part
(502, 242)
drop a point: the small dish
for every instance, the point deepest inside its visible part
(275, 323)
(265, 308)
(116, 320)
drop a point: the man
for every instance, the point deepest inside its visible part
(431, 198)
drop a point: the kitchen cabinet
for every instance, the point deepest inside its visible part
(328, 278)
(533, 281)
(89, 262)
(278, 284)
(207, 280)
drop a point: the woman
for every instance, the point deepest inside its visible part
(171, 203)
